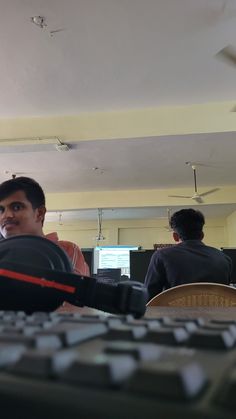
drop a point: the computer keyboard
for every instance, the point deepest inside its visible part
(169, 364)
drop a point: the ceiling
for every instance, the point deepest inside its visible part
(110, 57)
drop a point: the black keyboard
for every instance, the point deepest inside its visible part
(170, 364)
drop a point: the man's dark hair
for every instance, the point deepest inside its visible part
(33, 191)
(188, 224)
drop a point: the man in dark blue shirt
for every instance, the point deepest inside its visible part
(190, 260)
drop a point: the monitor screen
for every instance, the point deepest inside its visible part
(231, 252)
(109, 275)
(112, 257)
(139, 261)
(88, 256)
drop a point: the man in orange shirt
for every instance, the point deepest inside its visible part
(73, 251)
(22, 211)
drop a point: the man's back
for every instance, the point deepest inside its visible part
(187, 262)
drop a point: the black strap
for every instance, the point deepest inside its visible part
(31, 281)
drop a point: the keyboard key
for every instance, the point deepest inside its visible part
(167, 336)
(189, 326)
(171, 379)
(162, 320)
(110, 321)
(40, 341)
(153, 324)
(10, 353)
(44, 363)
(209, 339)
(140, 351)
(101, 371)
(125, 332)
(198, 320)
(222, 322)
(72, 333)
(231, 328)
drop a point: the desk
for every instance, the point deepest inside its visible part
(153, 312)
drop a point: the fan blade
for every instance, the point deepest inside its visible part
(209, 192)
(178, 196)
(196, 164)
(227, 54)
(198, 199)
(57, 30)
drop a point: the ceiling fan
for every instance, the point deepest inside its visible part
(227, 54)
(196, 196)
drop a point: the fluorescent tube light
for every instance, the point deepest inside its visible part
(32, 144)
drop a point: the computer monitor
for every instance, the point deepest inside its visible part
(88, 256)
(231, 252)
(139, 261)
(109, 275)
(113, 257)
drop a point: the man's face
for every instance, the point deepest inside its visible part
(17, 216)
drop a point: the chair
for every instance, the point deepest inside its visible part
(200, 294)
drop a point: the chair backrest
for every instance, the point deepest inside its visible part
(200, 294)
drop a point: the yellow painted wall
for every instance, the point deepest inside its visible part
(231, 230)
(131, 198)
(133, 232)
(166, 120)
